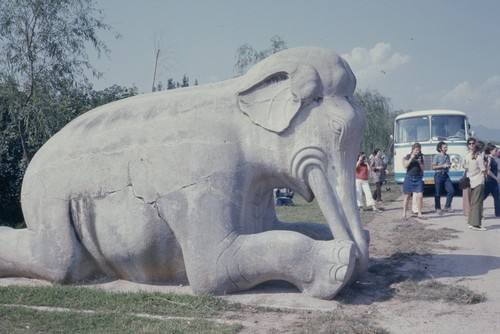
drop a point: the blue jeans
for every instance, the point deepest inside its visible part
(492, 188)
(439, 181)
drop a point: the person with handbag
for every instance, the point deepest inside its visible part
(476, 172)
(466, 185)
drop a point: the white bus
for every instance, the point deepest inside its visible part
(429, 127)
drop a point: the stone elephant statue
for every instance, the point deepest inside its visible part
(176, 186)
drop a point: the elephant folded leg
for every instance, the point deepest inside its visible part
(51, 251)
(16, 259)
(317, 268)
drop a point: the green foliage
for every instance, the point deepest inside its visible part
(43, 55)
(246, 55)
(378, 120)
(11, 171)
(43, 59)
(52, 110)
(48, 38)
(66, 296)
(185, 81)
(171, 84)
(110, 94)
(12, 166)
(16, 320)
(304, 211)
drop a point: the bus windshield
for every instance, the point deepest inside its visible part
(426, 128)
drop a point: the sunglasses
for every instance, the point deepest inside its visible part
(471, 143)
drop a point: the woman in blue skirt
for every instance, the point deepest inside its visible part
(413, 183)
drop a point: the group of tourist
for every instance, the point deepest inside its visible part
(481, 167)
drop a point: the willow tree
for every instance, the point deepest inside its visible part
(43, 81)
(43, 50)
(246, 55)
(379, 120)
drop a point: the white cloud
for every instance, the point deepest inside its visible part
(462, 94)
(482, 103)
(371, 65)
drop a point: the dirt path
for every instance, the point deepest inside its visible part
(448, 252)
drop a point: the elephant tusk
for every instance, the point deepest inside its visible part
(326, 199)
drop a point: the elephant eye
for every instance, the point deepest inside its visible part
(318, 99)
(336, 127)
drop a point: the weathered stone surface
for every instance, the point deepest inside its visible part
(177, 185)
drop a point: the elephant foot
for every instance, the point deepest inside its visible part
(334, 265)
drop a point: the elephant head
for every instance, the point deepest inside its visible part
(308, 101)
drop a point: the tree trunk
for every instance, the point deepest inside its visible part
(26, 155)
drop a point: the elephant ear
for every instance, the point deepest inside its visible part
(273, 101)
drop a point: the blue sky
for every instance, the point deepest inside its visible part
(420, 54)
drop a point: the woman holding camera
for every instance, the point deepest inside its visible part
(413, 182)
(362, 184)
